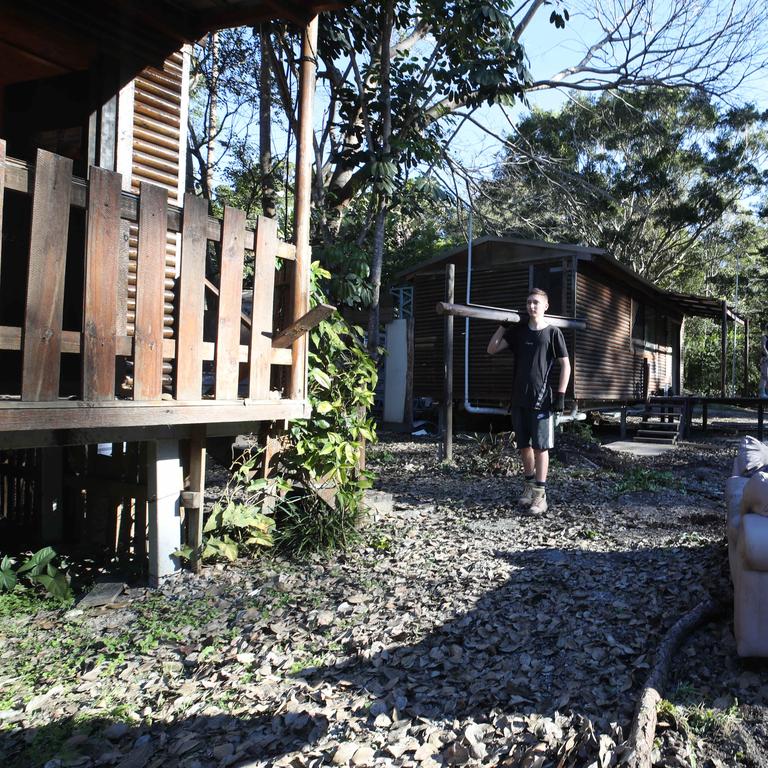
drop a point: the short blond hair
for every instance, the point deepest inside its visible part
(539, 292)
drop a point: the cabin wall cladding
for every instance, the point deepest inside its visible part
(605, 366)
(486, 371)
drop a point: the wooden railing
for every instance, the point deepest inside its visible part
(156, 367)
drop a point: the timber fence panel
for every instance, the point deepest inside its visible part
(150, 286)
(101, 285)
(265, 251)
(189, 354)
(230, 302)
(43, 314)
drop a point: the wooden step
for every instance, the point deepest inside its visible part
(658, 427)
(662, 440)
(648, 433)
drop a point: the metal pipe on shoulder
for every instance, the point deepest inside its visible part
(504, 315)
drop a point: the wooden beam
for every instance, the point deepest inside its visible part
(46, 438)
(71, 343)
(302, 207)
(303, 325)
(503, 315)
(18, 416)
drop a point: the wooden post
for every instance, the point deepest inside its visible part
(760, 420)
(745, 385)
(450, 281)
(408, 415)
(304, 154)
(51, 494)
(193, 509)
(723, 346)
(704, 415)
(623, 427)
(165, 483)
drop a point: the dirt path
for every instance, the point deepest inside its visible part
(460, 632)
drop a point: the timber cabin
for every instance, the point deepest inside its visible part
(103, 283)
(631, 347)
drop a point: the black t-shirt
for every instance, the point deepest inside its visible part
(535, 353)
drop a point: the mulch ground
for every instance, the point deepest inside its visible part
(460, 631)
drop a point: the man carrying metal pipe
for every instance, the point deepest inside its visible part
(536, 345)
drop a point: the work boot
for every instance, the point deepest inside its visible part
(539, 501)
(527, 498)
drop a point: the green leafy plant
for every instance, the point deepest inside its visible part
(241, 521)
(492, 453)
(38, 568)
(641, 479)
(322, 461)
(581, 430)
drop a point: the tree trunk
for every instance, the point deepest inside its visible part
(268, 192)
(210, 158)
(381, 214)
(376, 266)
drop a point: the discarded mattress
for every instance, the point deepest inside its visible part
(746, 496)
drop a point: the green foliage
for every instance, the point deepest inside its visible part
(660, 177)
(348, 274)
(38, 569)
(241, 520)
(581, 430)
(325, 451)
(23, 602)
(492, 453)
(308, 524)
(641, 479)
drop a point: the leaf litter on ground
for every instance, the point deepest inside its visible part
(463, 632)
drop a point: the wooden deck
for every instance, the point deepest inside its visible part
(140, 337)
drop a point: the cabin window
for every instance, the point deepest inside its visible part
(649, 327)
(549, 279)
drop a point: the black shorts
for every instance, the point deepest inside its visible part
(534, 428)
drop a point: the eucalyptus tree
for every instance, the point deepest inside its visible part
(401, 78)
(657, 176)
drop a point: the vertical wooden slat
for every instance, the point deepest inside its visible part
(265, 248)
(2, 194)
(41, 342)
(304, 157)
(230, 300)
(189, 354)
(150, 277)
(101, 285)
